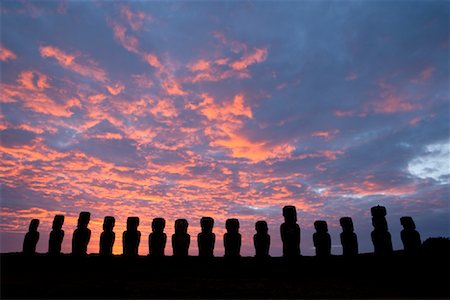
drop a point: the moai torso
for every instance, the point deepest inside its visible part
(157, 239)
(381, 238)
(107, 237)
(131, 237)
(349, 239)
(322, 239)
(410, 236)
(181, 239)
(81, 235)
(56, 235)
(261, 239)
(232, 239)
(206, 239)
(31, 238)
(290, 232)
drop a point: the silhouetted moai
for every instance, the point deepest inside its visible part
(322, 239)
(381, 238)
(410, 236)
(349, 240)
(181, 239)
(82, 234)
(206, 238)
(31, 238)
(157, 239)
(131, 237)
(107, 237)
(232, 239)
(290, 232)
(261, 239)
(56, 235)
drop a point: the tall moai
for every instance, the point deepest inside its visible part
(108, 236)
(290, 232)
(31, 238)
(381, 238)
(56, 235)
(131, 237)
(181, 239)
(81, 235)
(232, 238)
(206, 238)
(322, 239)
(349, 240)
(157, 239)
(410, 236)
(261, 240)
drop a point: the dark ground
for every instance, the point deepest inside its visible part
(366, 276)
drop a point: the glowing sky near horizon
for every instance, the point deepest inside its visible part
(224, 109)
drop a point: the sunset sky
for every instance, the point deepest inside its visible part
(227, 109)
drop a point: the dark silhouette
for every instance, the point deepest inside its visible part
(290, 232)
(157, 239)
(56, 235)
(322, 239)
(349, 240)
(436, 247)
(107, 237)
(232, 239)
(181, 239)
(131, 237)
(261, 239)
(82, 234)
(31, 238)
(206, 239)
(410, 236)
(381, 238)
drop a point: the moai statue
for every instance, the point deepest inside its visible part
(82, 234)
(157, 239)
(131, 237)
(181, 239)
(31, 238)
(107, 237)
(261, 239)
(206, 238)
(349, 240)
(381, 238)
(322, 239)
(410, 236)
(232, 239)
(56, 235)
(290, 232)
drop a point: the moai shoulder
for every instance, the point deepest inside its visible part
(31, 238)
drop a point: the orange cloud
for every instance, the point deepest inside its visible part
(6, 54)
(199, 65)
(325, 134)
(130, 43)
(164, 108)
(115, 89)
(33, 80)
(153, 61)
(172, 87)
(257, 56)
(142, 80)
(135, 19)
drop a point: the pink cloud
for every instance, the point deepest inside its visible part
(257, 56)
(33, 80)
(6, 54)
(135, 19)
(115, 89)
(325, 134)
(424, 75)
(130, 43)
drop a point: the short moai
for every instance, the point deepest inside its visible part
(349, 240)
(290, 232)
(31, 238)
(261, 240)
(131, 237)
(81, 235)
(157, 239)
(410, 236)
(381, 238)
(232, 238)
(181, 239)
(206, 238)
(322, 239)
(108, 236)
(56, 236)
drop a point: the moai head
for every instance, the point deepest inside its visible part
(321, 226)
(181, 226)
(58, 222)
(34, 224)
(158, 225)
(289, 214)
(378, 211)
(132, 223)
(407, 223)
(261, 227)
(108, 223)
(83, 219)
(380, 224)
(207, 224)
(346, 224)
(232, 225)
